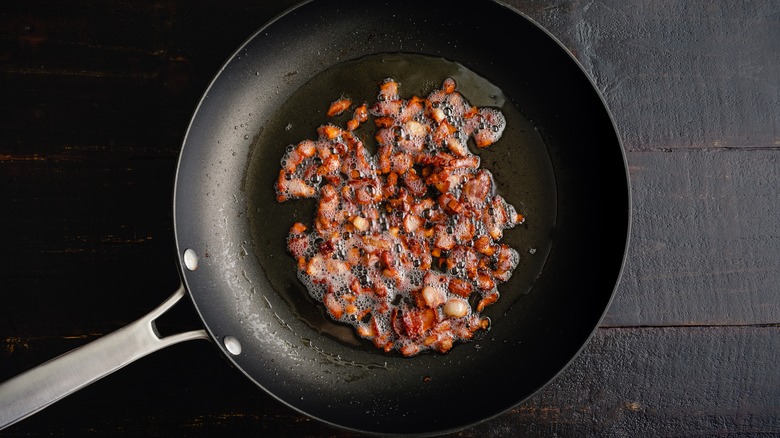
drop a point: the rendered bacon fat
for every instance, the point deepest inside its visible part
(405, 243)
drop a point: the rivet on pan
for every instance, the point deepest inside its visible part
(232, 345)
(190, 259)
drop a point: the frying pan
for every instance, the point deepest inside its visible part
(560, 162)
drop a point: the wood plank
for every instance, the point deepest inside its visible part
(627, 382)
(704, 240)
(677, 74)
(91, 234)
(659, 382)
(92, 110)
(128, 73)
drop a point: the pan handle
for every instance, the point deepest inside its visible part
(33, 390)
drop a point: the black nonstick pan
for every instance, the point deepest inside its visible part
(560, 161)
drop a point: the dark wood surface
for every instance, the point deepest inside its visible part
(95, 98)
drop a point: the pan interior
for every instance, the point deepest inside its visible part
(519, 162)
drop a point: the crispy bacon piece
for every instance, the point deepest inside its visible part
(289, 188)
(400, 163)
(334, 307)
(493, 123)
(461, 287)
(359, 116)
(488, 300)
(450, 204)
(415, 184)
(477, 190)
(484, 245)
(338, 107)
(329, 131)
(443, 239)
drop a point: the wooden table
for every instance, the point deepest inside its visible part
(95, 98)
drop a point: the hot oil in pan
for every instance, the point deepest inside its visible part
(519, 162)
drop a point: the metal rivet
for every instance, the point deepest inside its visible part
(190, 259)
(232, 345)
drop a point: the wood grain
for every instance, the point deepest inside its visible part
(704, 241)
(690, 85)
(626, 383)
(678, 74)
(95, 98)
(691, 382)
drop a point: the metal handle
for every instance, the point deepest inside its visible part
(41, 386)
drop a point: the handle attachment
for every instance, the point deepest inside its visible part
(33, 390)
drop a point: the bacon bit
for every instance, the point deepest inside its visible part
(336, 266)
(444, 345)
(338, 107)
(441, 133)
(457, 147)
(412, 223)
(450, 204)
(494, 122)
(400, 163)
(415, 184)
(333, 306)
(365, 331)
(315, 266)
(484, 245)
(471, 162)
(298, 244)
(329, 165)
(306, 149)
(476, 190)
(360, 223)
(297, 228)
(391, 183)
(460, 287)
(438, 115)
(415, 128)
(485, 282)
(291, 161)
(361, 113)
(389, 89)
(448, 86)
(415, 322)
(292, 188)
(329, 131)
(466, 230)
(413, 107)
(367, 190)
(410, 349)
(443, 239)
(384, 122)
(488, 300)
(384, 153)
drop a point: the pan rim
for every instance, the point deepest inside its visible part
(215, 336)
